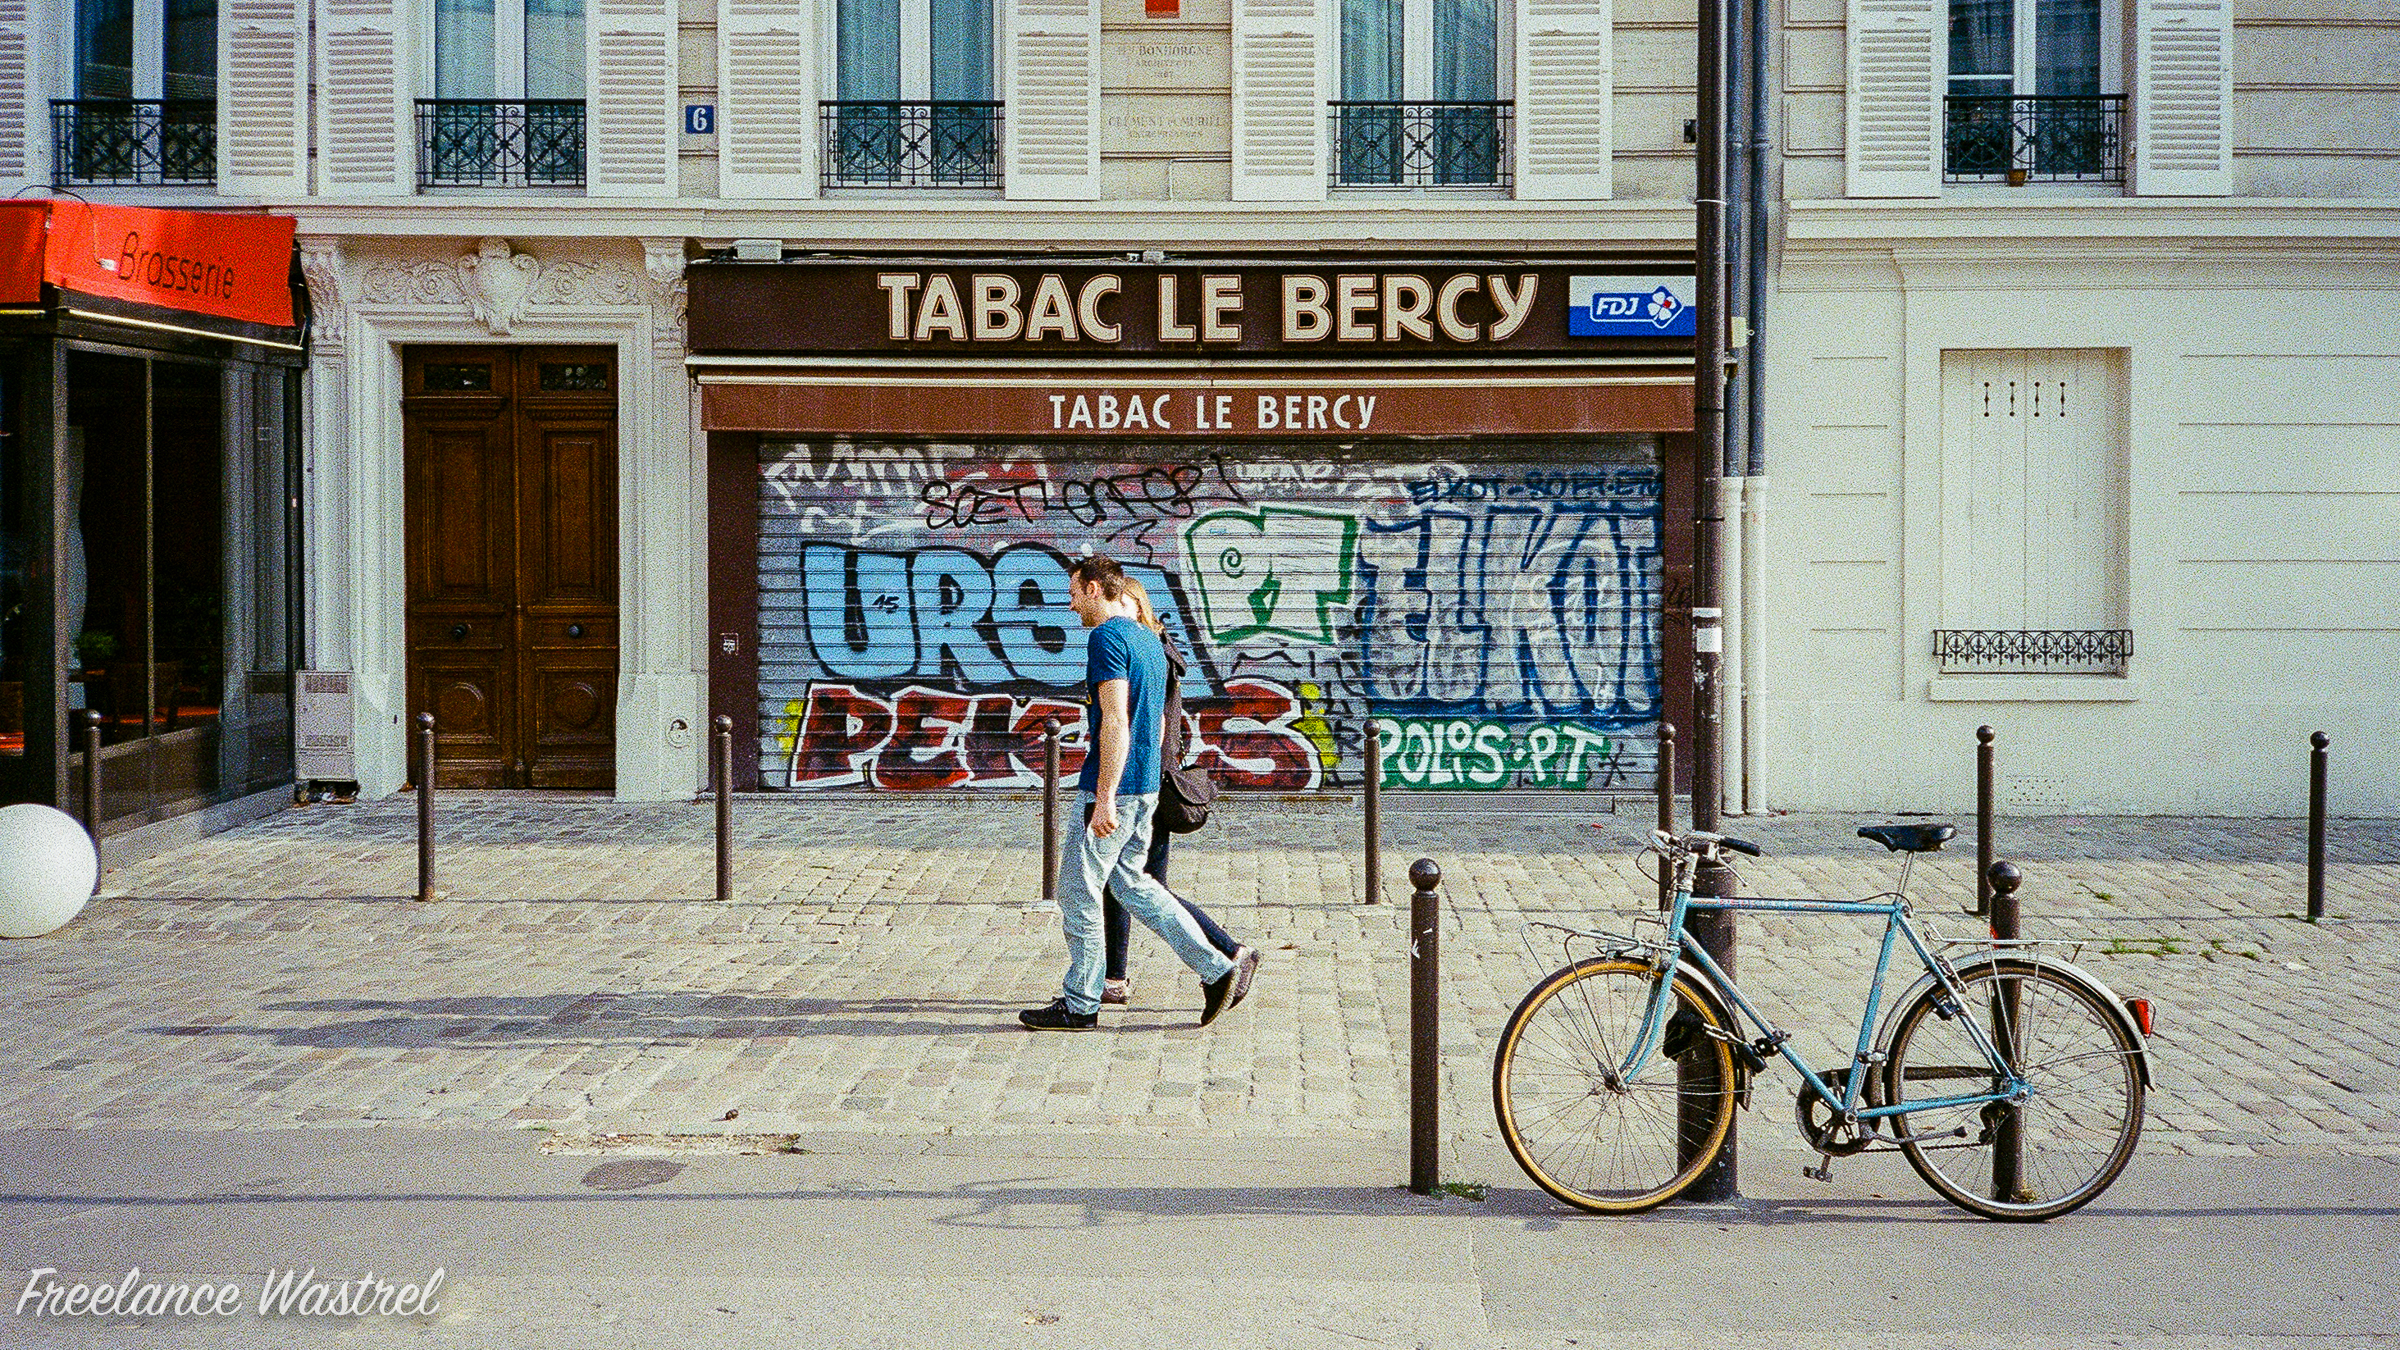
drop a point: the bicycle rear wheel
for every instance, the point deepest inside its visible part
(1583, 1133)
(2060, 1147)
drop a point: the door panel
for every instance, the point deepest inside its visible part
(513, 562)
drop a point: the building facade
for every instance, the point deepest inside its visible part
(572, 487)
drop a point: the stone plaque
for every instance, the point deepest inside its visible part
(1166, 124)
(1139, 60)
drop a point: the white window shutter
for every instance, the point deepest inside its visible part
(1279, 116)
(2182, 97)
(1050, 110)
(262, 98)
(366, 115)
(24, 117)
(631, 124)
(1565, 124)
(767, 124)
(1892, 111)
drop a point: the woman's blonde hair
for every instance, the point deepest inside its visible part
(1141, 602)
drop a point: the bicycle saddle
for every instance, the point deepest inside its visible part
(1908, 838)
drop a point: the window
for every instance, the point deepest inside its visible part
(145, 108)
(508, 99)
(2030, 98)
(2034, 513)
(912, 104)
(1419, 98)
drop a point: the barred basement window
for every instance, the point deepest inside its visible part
(2046, 652)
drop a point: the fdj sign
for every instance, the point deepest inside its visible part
(1652, 306)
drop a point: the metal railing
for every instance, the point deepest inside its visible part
(2036, 652)
(947, 144)
(1378, 144)
(99, 142)
(463, 142)
(2037, 139)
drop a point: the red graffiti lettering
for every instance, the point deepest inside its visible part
(927, 747)
(1247, 740)
(1071, 741)
(839, 735)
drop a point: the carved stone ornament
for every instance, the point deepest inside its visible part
(413, 283)
(497, 282)
(321, 265)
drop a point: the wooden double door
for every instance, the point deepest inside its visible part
(512, 562)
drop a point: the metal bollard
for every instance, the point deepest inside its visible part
(1715, 934)
(91, 719)
(2008, 1143)
(724, 767)
(425, 766)
(1374, 753)
(1666, 810)
(1983, 819)
(1050, 809)
(2319, 764)
(1424, 1027)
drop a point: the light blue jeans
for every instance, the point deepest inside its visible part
(1092, 866)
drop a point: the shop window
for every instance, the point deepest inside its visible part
(145, 86)
(913, 101)
(1420, 102)
(2034, 514)
(508, 104)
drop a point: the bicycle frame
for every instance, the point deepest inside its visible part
(1679, 945)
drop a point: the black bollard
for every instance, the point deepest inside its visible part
(2008, 1143)
(1715, 934)
(1666, 810)
(1050, 810)
(1374, 753)
(2318, 770)
(1424, 1027)
(1983, 819)
(91, 719)
(425, 765)
(724, 767)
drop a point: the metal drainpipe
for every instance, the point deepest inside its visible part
(1755, 256)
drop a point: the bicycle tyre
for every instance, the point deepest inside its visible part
(1610, 1148)
(2077, 1130)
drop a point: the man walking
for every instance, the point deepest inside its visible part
(1126, 674)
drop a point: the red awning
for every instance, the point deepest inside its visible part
(219, 265)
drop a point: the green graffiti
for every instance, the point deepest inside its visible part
(1279, 571)
(1464, 754)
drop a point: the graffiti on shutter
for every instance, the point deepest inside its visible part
(1493, 620)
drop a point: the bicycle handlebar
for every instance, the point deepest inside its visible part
(1701, 842)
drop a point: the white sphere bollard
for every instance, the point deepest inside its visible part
(47, 867)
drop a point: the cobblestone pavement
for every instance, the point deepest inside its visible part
(580, 979)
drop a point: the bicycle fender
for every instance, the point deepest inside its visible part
(2066, 969)
(1722, 1008)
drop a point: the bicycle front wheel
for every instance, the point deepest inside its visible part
(2029, 1160)
(1582, 1130)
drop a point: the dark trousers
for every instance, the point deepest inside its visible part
(1117, 925)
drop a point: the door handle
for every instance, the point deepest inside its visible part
(458, 631)
(574, 630)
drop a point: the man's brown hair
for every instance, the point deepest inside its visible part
(1100, 570)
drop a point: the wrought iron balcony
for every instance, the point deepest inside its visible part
(2039, 652)
(1421, 144)
(947, 144)
(2041, 139)
(464, 142)
(100, 142)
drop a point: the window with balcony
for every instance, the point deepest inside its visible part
(508, 97)
(145, 104)
(2030, 97)
(912, 104)
(1420, 103)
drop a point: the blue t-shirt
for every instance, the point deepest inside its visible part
(1124, 650)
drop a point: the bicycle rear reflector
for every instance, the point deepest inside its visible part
(2140, 1008)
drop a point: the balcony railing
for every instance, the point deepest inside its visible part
(2037, 652)
(940, 144)
(464, 142)
(2041, 139)
(100, 142)
(1418, 145)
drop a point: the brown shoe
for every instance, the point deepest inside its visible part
(1116, 991)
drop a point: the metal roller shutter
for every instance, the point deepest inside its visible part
(1492, 611)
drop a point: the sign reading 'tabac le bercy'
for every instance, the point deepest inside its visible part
(1337, 308)
(223, 264)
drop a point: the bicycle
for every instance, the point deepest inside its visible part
(1617, 1076)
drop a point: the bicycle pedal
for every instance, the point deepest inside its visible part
(1823, 1171)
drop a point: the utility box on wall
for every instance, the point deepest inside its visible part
(324, 736)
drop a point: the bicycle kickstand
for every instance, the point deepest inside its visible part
(1823, 1171)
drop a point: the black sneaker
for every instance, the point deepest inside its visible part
(1245, 969)
(1054, 1016)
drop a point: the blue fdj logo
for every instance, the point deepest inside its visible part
(1630, 307)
